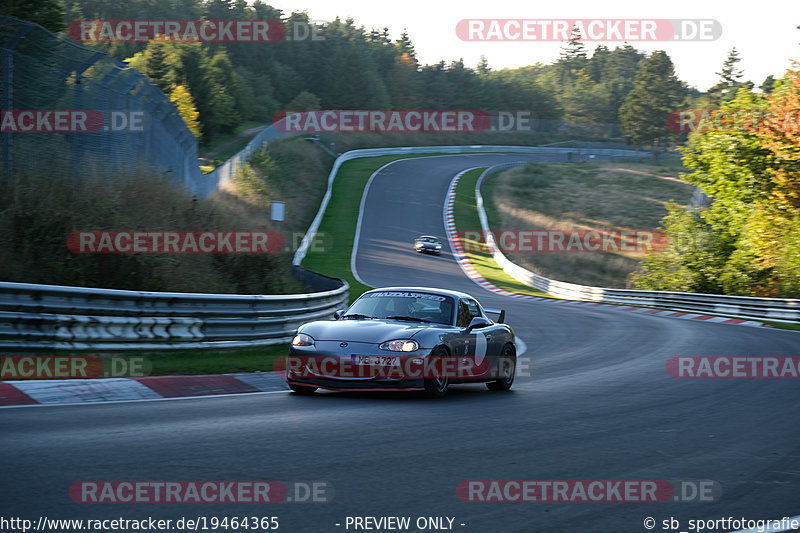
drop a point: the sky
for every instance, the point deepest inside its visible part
(767, 39)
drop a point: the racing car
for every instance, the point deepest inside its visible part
(404, 338)
(428, 244)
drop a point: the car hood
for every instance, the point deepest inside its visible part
(376, 331)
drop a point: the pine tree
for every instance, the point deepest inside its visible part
(156, 66)
(657, 92)
(483, 66)
(404, 45)
(729, 79)
(572, 59)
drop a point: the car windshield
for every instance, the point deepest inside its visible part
(404, 305)
(427, 239)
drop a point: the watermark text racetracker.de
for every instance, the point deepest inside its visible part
(733, 367)
(204, 492)
(382, 120)
(191, 242)
(71, 121)
(732, 120)
(599, 30)
(551, 241)
(212, 31)
(588, 490)
(399, 366)
(73, 366)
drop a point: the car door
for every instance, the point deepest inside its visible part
(477, 341)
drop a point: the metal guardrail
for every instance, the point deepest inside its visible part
(52, 317)
(744, 307)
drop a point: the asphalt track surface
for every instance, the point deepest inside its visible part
(598, 405)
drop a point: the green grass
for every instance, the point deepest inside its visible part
(465, 213)
(341, 217)
(197, 362)
(780, 325)
(616, 196)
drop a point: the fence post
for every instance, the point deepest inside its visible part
(78, 104)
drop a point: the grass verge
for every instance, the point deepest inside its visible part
(186, 362)
(341, 217)
(466, 217)
(196, 362)
(465, 212)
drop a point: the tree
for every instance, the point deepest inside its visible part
(404, 45)
(224, 112)
(747, 237)
(483, 66)
(304, 101)
(404, 83)
(596, 66)
(47, 13)
(155, 65)
(657, 92)
(572, 59)
(768, 84)
(194, 62)
(182, 98)
(729, 79)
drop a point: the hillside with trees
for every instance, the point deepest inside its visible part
(352, 67)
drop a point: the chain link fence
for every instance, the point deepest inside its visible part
(70, 109)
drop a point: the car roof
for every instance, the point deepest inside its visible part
(447, 292)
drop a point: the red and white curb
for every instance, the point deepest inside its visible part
(80, 391)
(461, 258)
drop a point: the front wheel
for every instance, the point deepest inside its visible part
(506, 369)
(436, 386)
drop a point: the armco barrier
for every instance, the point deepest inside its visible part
(746, 307)
(51, 317)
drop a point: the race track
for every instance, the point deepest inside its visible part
(599, 405)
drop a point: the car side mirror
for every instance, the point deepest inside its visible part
(338, 314)
(477, 323)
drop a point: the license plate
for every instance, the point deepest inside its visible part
(376, 360)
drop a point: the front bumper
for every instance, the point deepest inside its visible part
(329, 365)
(361, 385)
(428, 250)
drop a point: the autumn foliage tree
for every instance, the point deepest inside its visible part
(749, 236)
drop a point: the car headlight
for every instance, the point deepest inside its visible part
(301, 339)
(400, 346)
(438, 246)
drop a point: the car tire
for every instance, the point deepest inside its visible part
(506, 368)
(302, 390)
(436, 387)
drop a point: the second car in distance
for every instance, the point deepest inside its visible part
(428, 244)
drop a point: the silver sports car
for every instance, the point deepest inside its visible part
(404, 338)
(428, 244)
